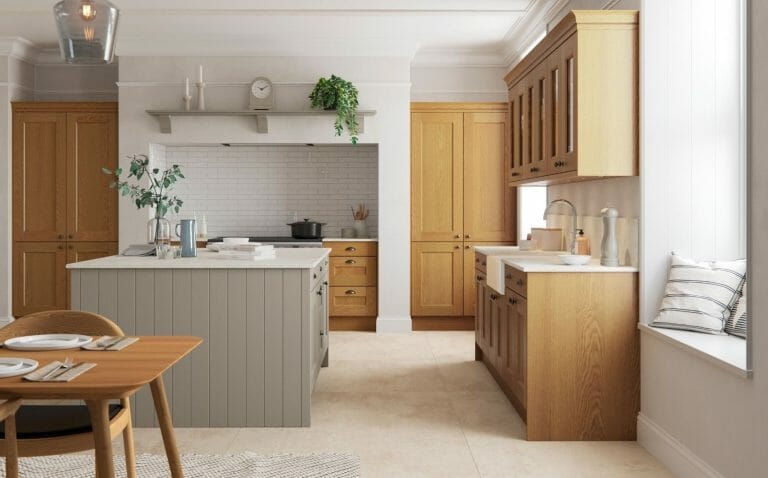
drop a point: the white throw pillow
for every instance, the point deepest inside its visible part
(737, 323)
(700, 296)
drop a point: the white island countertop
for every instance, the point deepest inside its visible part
(286, 258)
(350, 239)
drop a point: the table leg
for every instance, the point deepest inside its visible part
(130, 453)
(166, 426)
(99, 411)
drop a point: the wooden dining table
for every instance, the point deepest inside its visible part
(117, 374)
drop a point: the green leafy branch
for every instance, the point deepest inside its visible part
(335, 93)
(159, 183)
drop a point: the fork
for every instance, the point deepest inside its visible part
(68, 364)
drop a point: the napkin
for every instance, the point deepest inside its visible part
(119, 345)
(71, 374)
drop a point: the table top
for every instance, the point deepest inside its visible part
(118, 374)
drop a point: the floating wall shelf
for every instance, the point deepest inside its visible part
(262, 124)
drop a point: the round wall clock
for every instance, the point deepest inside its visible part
(262, 94)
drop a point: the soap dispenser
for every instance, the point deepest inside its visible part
(609, 252)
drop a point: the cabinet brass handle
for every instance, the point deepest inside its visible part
(61, 236)
(519, 282)
(350, 292)
(513, 301)
(467, 236)
(467, 247)
(494, 296)
(351, 249)
(515, 174)
(350, 261)
(479, 278)
(534, 170)
(457, 247)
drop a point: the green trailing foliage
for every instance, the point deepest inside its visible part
(156, 193)
(336, 93)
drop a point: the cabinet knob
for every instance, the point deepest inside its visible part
(457, 247)
(457, 236)
(479, 278)
(467, 236)
(350, 261)
(351, 249)
(467, 246)
(60, 236)
(534, 170)
(513, 301)
(494, 296)
(314, 276)
(484, 263)
(515, 174)
(60, 247)
(71, 247)
(325, 282)
(508, 276)
(350, 292)
(519, 282)
(71, 236)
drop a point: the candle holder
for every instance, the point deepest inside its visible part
(201, 96)
(187, 102)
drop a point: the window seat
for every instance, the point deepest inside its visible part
(725, 351)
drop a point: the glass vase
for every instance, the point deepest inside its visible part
(159, 231)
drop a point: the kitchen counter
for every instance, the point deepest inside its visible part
(264, 325)
(286, 258)
(553, 264)
(350, 239)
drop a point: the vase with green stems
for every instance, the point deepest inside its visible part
(151, 188)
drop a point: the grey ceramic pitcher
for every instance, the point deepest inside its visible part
(187, 236)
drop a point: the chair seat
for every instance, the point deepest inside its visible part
(49, 421)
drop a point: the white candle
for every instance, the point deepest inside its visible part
(186, 86)
(200, 74)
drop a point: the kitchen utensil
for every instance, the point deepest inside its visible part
(548, 239)
(306, 229)
(609, 250)
(48, 342)
(8, 366)
(574, 259)
(188, 236)
(67, 364)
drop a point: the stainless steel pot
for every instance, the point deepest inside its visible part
(306, 229)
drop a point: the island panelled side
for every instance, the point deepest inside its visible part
(264, 330)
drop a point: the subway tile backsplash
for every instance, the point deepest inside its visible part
(255, 190)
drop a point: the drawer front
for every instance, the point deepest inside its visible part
(515, 280)
(351, 248)
(319, 273)
(354, 271)
(353, 301)
(481, 262)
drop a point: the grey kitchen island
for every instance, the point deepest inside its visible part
(264, 324)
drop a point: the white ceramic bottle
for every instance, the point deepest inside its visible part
(609, 252)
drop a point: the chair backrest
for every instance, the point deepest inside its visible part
(60, 322)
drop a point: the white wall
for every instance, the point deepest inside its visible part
(458, 83)
(384, 84)
(63, 82)
(698, 419)
(16, 82)
(256, 190)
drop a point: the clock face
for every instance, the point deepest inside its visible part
(261, 88)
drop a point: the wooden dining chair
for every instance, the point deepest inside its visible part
(43, 430)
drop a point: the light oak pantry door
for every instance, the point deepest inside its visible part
(436, 270)
(91, 203)
(39, 168)
(39, 277)
(437, 158)
(489, 204)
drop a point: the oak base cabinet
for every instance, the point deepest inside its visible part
(564, 348)
(352, 278)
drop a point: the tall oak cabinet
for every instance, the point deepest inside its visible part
(63, 209)
(459, 198)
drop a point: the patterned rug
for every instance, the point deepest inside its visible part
(247, 465)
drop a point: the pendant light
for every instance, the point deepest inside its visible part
(87, 30)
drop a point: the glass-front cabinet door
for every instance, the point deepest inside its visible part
(569, 135)
(516, 101)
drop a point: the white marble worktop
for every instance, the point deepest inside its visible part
(350, 239)
(553, 264)
(286, 258)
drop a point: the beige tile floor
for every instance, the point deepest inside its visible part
(418, 405)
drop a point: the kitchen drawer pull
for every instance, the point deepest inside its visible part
(513, 301)
(351, 249)
(534, 170)
(515, 174)
(494, 296)
(350, 261)
(350, 292)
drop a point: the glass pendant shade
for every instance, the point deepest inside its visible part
(87, 30)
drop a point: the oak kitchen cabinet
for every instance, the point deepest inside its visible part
(564, 348)
(459, 197)
(574, 101)
(63, 208)
(352, 277)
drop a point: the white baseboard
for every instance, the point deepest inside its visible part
(393, 324)
(670, 452)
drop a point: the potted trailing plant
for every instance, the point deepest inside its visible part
(336, 93)
(154, 195)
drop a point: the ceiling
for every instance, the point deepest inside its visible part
(491, 31)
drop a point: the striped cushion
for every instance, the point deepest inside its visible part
(737, 323)
(700, 295)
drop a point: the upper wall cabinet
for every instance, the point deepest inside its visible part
(574, 101)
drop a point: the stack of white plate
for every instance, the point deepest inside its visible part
(48, 342)
(13, 366)
(250, 253)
